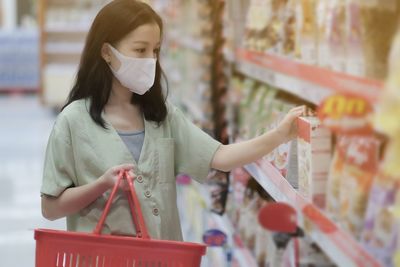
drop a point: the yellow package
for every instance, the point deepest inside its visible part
(386, 118)
(307, 32)
(379, 21)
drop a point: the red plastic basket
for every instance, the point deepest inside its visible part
(56, 248)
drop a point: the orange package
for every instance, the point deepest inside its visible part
(358, 172)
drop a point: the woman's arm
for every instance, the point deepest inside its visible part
(232, 156)
(74, 199)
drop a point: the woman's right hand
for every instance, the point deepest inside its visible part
(110, 177)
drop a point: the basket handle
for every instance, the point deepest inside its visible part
(134, 205)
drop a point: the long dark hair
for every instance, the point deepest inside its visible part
(94, 77)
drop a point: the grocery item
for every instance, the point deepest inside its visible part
(314, 156)
(360, 167)
(289, 29)
(355, 62)
(307, 31)
(381, 227)
(258, 17)
(282, 153)
(322, 28)
(336, 35)
(335, 176)
(386, 118)
(379, 21)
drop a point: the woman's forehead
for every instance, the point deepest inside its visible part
(146, 33)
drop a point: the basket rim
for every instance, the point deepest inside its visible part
(62, 235)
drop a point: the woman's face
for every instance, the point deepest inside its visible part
(143, 42)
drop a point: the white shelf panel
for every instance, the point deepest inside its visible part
(310, 83)
(340, 246)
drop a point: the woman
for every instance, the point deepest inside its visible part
(117, 119)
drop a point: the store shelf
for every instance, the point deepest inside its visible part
(310, 83)
(188, 42)
(240, 252)
(194, 110)
(340, 246)
(64, 48)
(67, 29)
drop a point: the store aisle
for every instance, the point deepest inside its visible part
(25, 127)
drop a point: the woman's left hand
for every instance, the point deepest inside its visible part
(287, 128)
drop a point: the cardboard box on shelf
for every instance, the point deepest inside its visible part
(314, 155)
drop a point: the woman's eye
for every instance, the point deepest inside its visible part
(140, 50)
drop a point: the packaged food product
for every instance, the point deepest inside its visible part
(360, 168)
(379, 20)
(289, 29)
(381, 226)
(355, 63)
(335, 176)
(386, 118)
(336, 34)
(282, 152)
(314, 155)
(258, 16)
(307, 31)
(322, 28)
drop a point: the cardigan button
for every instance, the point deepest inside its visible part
(155, 211)
(147, 194)
(140, 179)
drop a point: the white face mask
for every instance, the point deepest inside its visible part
(136, 74)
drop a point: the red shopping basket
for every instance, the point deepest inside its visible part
(56, 248)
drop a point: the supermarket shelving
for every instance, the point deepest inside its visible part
(310, 83)
(186, 41)
(340, 246)
(240, 252)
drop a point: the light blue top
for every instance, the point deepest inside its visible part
(134, 142)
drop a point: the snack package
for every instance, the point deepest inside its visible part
(335, 176)
(307, 31)
(359, 170)
(381, 226)
(386, 118)
(355, 63)
(322, 28)
(336, 35)
(314, 155)
(258, 16)
(379, 20)
(289, 29)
